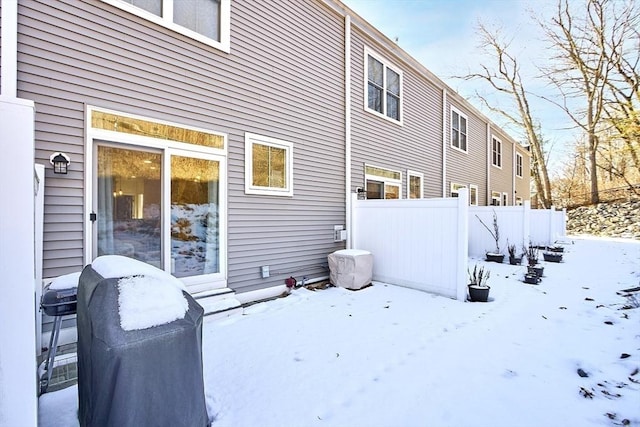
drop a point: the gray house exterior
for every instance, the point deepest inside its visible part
(287, 108)
(222, 144)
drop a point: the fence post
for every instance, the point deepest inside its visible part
(462, 247)
(526, 223)
(550, 239)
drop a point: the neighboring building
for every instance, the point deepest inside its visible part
(223, 143)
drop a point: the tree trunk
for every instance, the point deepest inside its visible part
(593, 172)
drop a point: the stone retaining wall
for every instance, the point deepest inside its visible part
(616, 219)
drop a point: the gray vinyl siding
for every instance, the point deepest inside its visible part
(416, 144)
(468, 168)
(501, 179)
(282, 79)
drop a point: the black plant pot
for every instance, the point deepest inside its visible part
(538, 271)
(478, 293)
(514, 260)
(552, 256)
(495, 257)
(531, 278)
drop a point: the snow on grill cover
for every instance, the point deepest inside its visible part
(151, 373)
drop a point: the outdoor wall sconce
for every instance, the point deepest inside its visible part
(60, 162)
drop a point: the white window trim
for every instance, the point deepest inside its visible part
(493, 137)
(473, 187)
(452, 188)
(461, 114)
(386, 65)
(519, 156)
(249, 188)
(384, 180)
(167, 147)
(496, 195)
(411, 173)
(167, 21)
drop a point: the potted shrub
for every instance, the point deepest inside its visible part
(496, 256)
(514, 259)
(532, 260)
(552, 256)
(478, 288)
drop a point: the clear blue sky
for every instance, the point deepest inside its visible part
(441, 34)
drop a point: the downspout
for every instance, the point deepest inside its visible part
(444, 142)
(347, 126)
(488, 164)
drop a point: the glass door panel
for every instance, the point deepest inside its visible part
(195, 220)
(129, 204)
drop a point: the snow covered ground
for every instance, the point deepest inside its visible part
(390, 356)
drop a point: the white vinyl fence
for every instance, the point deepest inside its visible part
(517, 225)
(420, 244)
(425, 244)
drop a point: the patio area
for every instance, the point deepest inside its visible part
(389, 356)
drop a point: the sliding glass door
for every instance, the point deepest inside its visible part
(129, 193)
(160, 206)
(195, 200)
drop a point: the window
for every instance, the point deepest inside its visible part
(473, 192)
(495, 198)
(207, 21)
(383, 88)
(158, 190)
(382, 183)
(458, 130)
(455, 187)
(414, 185)
(268, 166)
(473, 195)
(505, 199)
(519, 165)
(496, 152)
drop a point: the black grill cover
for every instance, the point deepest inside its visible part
(149, 377)
(59, 302)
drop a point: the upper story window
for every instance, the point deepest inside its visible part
(414, 185)
(496, 152)
(382, 183)
(207, 21)
(458, 130)
(268, 166)
(383, 88)
(519, 165)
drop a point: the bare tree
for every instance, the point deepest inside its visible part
(504, 76)
(591, 69)
(622, 108)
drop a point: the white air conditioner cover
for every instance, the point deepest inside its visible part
(351, 268)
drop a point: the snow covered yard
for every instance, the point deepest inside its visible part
(389, 356)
